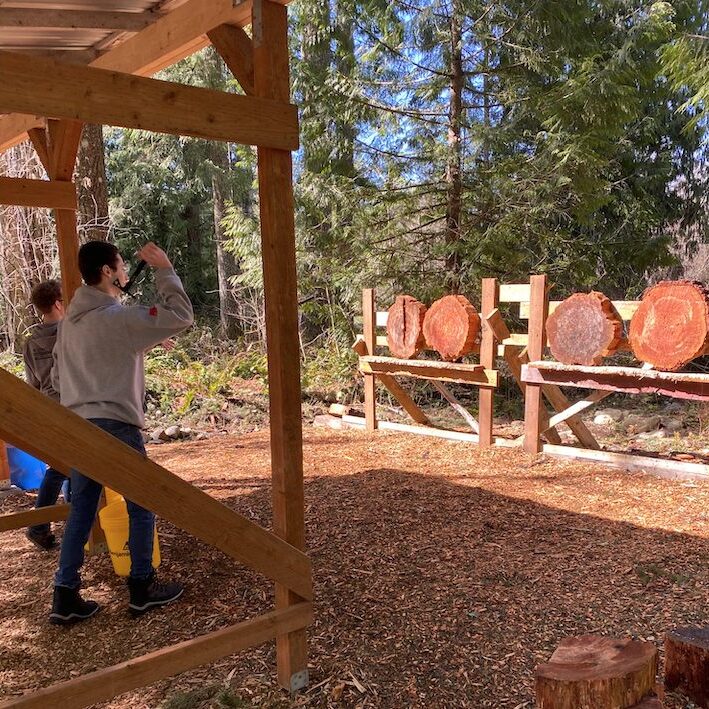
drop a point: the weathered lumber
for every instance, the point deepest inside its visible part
(451, 327)
(369, 313)
(405, 337)
(671, 326)
(534, 410)
(450, 398)
(687, 663)
(584, 329)
(488, 349)
(429, 369)
(400, 394)
(41, 515)
(594, 672)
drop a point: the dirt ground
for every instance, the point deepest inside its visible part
(443, 575)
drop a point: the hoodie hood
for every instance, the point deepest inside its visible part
(44, 336)
(85, 300)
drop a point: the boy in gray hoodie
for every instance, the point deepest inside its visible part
(99, 369)
(47, 300)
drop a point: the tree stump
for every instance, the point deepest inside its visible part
(687, 663)
(593, 672)
(584, 329)
(405, 327)
(671, 326)
(451, 327)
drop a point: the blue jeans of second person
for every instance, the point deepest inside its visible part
(85, 495)
(47, 495)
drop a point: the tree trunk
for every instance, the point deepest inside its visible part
(671, 326)
(593, 672)
(454, 168)
(451, 327)
(405, 327)
(91, 185)
(584, 329)
(687, 663)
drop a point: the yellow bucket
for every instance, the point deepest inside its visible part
(114, 522)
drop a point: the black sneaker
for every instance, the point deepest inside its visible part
(41, 538)
(149, 593)
(69, 607)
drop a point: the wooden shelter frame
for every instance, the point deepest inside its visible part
(49, 100)
(539, 380)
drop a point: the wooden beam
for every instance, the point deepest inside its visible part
(447, 394)
(64, 138)
(174, 36)
(4, 463)
(533, 404)
(38, 138)
(400, 394)
(578, 407)
(369, 328)
(629, 380)
(22, 192)
(26, 518)
(141, 671)
(43, 428)
(275, 170)
(76, 19)
(236, 49)
(430, 369)
(488, 350)
(59, 90)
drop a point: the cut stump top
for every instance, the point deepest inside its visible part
(451, 327)
(405, 327)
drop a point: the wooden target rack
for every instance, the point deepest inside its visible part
(541, 382)
(106, 81)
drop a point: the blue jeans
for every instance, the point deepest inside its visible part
(85, 495)
(47, 495)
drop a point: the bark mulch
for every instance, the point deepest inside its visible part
(443, 575)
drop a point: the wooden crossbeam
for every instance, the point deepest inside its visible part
(22, 192)
(447, 394)
(141, 671)
(578, 407)
(429, 369)
(400, 394)
(26, 518)
(76, 19)
(236, 49)
(40, 426)
(174, 36)
(58, 90)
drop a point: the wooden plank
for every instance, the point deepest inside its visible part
(38, 138)
(673, 469)
(59, 90)
(625, 308)
(488, 350)
(400, 394)
(26, 518)
(382, 318)
(174, 36)
(533, 404)
(457, 406)
(629, 380)
(43, 428)
(271, 82)
(64, 138)
(141, 671)
(22, 192)
(4, 463)
(578, 407)
(515, 293)
(76, 19)
(369, 311)
(236, 49)
(429, 369)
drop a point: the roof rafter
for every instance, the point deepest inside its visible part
(76, 19)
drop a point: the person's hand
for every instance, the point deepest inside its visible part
(154, 256)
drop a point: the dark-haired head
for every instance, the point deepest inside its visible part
(93, 256)
(45, 295)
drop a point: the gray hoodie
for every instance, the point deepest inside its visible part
(98, 358)
(38, 358)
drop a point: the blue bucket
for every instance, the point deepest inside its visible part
(26, 472)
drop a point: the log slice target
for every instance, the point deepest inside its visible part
(671, 326)
(451, 327)
(584, 329)
(405, 327)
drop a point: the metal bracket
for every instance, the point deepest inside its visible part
(299, 681)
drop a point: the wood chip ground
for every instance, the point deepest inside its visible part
(443, 574)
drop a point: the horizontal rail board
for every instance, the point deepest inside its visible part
(25, 518)
(142, 671)
(629, 380)
(515, 293)
(428, 369)
(626, 308)
(22, 192)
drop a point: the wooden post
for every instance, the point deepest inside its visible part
(533, 403)
(271, 80)
(488, 347)
(4, 466)
(369, 315)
